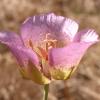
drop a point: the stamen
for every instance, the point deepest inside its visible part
(31, 44)
(40, 52)
(50, 43)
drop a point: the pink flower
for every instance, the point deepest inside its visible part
(48, 47)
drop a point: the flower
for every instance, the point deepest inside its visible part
(49, 47)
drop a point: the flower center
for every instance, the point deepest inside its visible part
(49, 43)
(42, 48)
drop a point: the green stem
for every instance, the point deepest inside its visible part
(46, 89)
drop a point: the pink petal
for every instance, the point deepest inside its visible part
(22, 54)
(10, 38)
(70, 27)
(68, 56)
(88, 35)
(60, 28)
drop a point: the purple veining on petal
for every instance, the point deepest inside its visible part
(68, 56)
(60, 28)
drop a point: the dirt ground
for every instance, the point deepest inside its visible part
(85, 83)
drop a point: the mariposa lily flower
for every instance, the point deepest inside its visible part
(49, 47)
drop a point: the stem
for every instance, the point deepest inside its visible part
(46, 89)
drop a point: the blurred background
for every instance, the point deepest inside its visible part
(85, 83)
